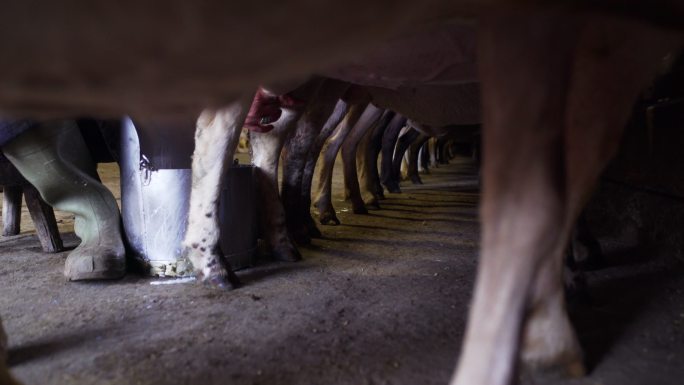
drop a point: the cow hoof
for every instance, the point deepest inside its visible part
(587, 254)
(567, 368)
(393, 188)
(314, 232)
(287, 254)
(93, 262)
(328, 218)
(550, 345)
(372, 203)
(224, 281)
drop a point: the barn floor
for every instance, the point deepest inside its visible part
(381, 300)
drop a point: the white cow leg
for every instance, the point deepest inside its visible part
(216, 138)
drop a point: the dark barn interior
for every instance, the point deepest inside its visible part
(383, 297)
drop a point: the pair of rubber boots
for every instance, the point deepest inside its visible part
(54, 158)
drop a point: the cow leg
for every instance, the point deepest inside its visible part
(54, 158)
(266, 148)
(403, 144)
(362, 127)
(389, 141)
(216, 138)
(432, 150)
(585, 250)
(341, 109)
(413, 152)
(367, 162)
(518, 295)
(424, 159)
(442, 150)
(523, 194)
(374, 152)
(615, 60)
(323, 200)
(296, 151)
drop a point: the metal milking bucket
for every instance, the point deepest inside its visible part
(155, 195)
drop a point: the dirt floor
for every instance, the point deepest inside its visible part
(382, 299)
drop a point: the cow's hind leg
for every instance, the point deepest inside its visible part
(295, 154)
(334, 119)
(323, 200)
(389, 141)
(216, 138)
(523, 204)
(266, 148)
(360, 130)
(413, 160)
(614, 61)
(367, 162)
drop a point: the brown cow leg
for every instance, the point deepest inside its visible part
(362, 127)
(414, 149)
(599, 103)
(389, 141)
(544, 151)
(403, 144)
(366, 162)
(341, 109)
(323, 200)
(523, 194)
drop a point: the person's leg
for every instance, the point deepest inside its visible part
(52, 157)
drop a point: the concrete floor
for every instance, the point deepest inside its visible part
(382, 299)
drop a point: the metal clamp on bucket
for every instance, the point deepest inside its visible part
(155, 195)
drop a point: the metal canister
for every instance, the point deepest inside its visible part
(155, 203)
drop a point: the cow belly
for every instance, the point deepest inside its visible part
(433, 105)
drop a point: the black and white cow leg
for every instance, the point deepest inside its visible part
(389, 141)
(339, 112)
(216, 138)
(323, 200)
(295, 154)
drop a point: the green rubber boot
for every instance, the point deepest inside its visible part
(55, 159)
